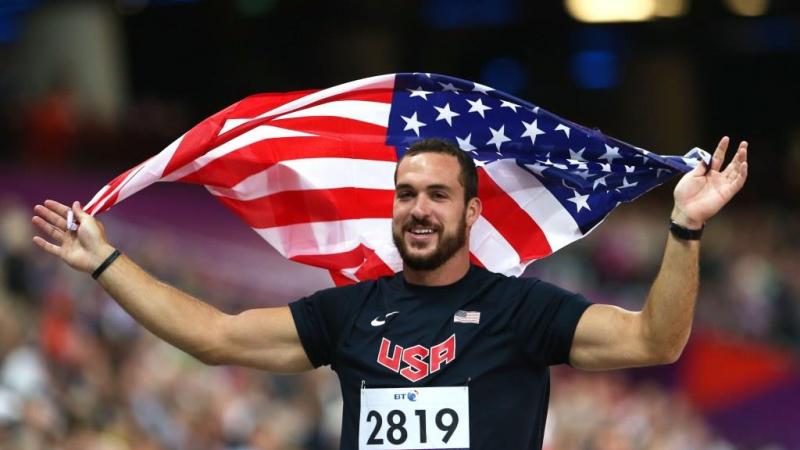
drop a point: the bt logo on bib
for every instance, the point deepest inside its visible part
(414, 358)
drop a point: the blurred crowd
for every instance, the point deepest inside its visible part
(77, 373)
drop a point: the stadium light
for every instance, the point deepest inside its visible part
(595, 11)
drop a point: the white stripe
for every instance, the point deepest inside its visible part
(493, 250)
(557, 224)
(143, 175)
(376, 82)
(375, 113)
(102, 203)
(310, 174)
(231, 124)
(152, 171)
(324, 238)
(257, 134)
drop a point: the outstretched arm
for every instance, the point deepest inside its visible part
(608, 337)
(264, 338)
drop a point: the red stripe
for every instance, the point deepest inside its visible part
(228, 170)
(112, 185)
(338, 261)
(371, 265)
(323, 205)
(339, 128)
(516, 226)
(339, 279)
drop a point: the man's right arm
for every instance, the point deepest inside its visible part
(264, 338)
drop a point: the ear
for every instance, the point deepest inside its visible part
(474, 208)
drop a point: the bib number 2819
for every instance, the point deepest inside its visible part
(421, 418)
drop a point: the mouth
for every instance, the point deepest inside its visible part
(419, 234)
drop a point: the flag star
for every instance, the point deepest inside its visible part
(412, 123)
(577, 159)
(449, 87)
(556, 165)
(498, 137)
(629, 169)
(481, 88)
(464, 144)
(564, 128)
(507, 104)
(585, 174)
(535, 110)
(419, 92)
(531, 131)
(446, 114)
(536, 168)
(427, 74)
(580, 201)
(611, 153)
(605, 167)
(625, 183)
(478, 107)
(599, 181)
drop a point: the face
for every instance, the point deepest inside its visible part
(430, 222)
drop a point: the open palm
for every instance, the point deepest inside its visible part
(83, 249)
(702, 193)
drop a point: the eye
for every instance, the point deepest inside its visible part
(404, 195)
(439, 195)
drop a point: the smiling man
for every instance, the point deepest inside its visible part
(444, 354)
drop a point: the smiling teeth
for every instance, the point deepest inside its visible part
(425, 231)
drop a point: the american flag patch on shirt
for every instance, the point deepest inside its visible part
(467, 317)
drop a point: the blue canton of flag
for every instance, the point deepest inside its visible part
(587, 172)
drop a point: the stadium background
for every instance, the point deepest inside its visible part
(90, 88)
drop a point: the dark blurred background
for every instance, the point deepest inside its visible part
(90, 88)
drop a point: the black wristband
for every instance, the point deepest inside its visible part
(97, 272)
(685, 233)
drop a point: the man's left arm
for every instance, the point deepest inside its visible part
(608, 337)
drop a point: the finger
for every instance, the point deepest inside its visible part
(59, 208)
(51, 217)
(80, 214)
(47, 246)
(49, 229)
(719, 153)
(738, 159)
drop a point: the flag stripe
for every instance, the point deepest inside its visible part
(376, 83)
(505, 215)
(536, 201)
(328, 237)
(292, 207)
(233, 168)
(369, 112)
(491, 248)
(313, 173)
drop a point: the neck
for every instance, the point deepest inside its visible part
(451, 271)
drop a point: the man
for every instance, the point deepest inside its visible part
(443, 354)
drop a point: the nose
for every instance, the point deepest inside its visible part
(421, 207)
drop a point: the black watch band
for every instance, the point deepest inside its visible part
(685, 233)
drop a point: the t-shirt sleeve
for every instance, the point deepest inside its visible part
(545, 322)
(319, 319)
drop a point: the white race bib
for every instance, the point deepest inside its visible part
(414, 418)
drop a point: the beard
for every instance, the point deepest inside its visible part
(448, 244)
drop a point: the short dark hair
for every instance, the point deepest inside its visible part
(469, 173)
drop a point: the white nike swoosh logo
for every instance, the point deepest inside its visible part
(376, 322)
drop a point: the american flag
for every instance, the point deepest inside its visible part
(312, 172)
(467, 317)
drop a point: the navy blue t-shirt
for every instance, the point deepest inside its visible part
(495, 334)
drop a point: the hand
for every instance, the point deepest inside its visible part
(702, 193)
(84, 249)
